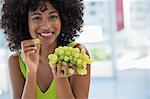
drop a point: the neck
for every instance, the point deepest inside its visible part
(45, 51)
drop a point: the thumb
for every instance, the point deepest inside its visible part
(38, 48)
(37, 43)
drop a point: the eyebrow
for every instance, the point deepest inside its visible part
(36, 13)
(52, 12)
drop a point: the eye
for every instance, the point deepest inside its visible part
(36, 18)
(53, 17)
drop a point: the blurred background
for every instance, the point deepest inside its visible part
(117, 35)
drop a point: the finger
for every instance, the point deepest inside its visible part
(29, 53)
(27, 43)
(54, 69)
(59, 69)
(30, 48)
(66, 70)
(38, 48)
(54, 72)
(26, 52)
(75, 73)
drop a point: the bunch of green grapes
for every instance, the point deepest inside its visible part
(71, 57)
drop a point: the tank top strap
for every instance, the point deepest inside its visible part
(22, 66)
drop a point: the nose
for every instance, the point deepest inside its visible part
(45, 25)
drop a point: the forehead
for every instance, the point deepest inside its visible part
(43, 6)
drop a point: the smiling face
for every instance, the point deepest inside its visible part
(44, 23)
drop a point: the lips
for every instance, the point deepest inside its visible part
(45, 35)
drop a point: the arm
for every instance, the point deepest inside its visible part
(77, 88)
(16, 78)
(21, 89)
(25, 89)
(80, 84)
(29, 91)
(64, 90)
(62, 83)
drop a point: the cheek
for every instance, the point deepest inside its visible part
(57, 25)
(32, 30)
(30, 27)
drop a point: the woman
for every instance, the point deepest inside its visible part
(55, 23)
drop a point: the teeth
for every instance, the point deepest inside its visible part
(46, 34)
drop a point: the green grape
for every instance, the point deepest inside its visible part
(63, 63)
(79, 66)
(60, 52)
(70, 49)
(65, 48)
(89, 61)
(57, 51)
(66, 58)
(37, 41)
(82, 71)
(53, 61)
(62, 68)
(84, 64)
(71, 71)
(60, 47)
(51, 65)
(67, 52)
(79, 61)
(53, 58)
(77, 55)
(83, 50)
(86, 56)
(70, 56)
(76, 50)
(75, 59)
(50, 55)
(72, 53)
(61, 57)
(73, 62)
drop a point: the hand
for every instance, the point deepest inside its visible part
(59, 73)
(30, 52)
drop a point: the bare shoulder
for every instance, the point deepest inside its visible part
(13, 60)
(13, 57)
(13, 64)
(79, 45)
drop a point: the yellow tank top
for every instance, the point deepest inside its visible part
(51, 92)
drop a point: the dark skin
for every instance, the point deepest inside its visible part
(38, 69)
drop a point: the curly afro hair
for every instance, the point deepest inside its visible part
(15, 19)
